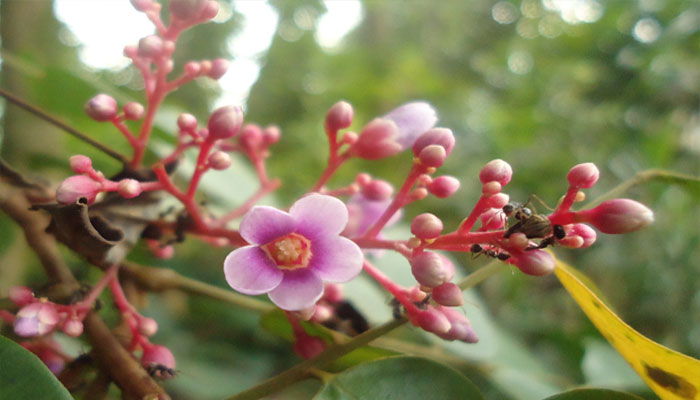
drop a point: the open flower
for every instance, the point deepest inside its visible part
(292, 254)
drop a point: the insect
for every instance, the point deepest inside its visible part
(534, 226)
(398, 309)
(160, 371)
(477, 249)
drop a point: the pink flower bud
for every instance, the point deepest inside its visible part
(225, 122)
(251, 137)
(187, 122)
(583, 176)
(163, 252)
(426, 226)
(535, 262)
(271, 135)
(219, 67)
(210, 10)
(460, 329)
(148, 326)
(133, 111)
(333, 293)
(363, 179)
(496, 170)
(429, 270)
(192, 68)
(583, 231)
(448, 294)
(377, 140)
(73, 327)
(436, 136)
(518, 240)
(75, 187)
(444, 186)
(36, 319)
(491, 188)
(378, 190)
(186, 9)
(617, 216)
(339, 116)
(130, 51)
(349, 138)
(498, 200)
(21, 295)
(219, 160)
(142, 5)
(433, 321)
(432, 156)
(101, 108)
(80, 164)
(493, 218)
(323, 313)
(309, 346)
(412, 120)
(129, 188)
(155, 356)
(151, 46)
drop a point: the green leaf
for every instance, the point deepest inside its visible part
(593, 394)
(24, 376)
(399, 378)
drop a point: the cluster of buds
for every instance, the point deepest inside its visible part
(39, 316)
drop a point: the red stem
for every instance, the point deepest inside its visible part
(478, 209)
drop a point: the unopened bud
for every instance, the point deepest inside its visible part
(271, 134)
(219, 67)
(21, 295)
(496, 170)
(377, 140)
(491, 188)
(76, 187)
(426, 226)
(493, 218)
(158, 356)
(412, 120)
(210, 10)
(323, 313)
(129, 188)
(192, 68)
(142, 5)
(339, 116)
(333, 293)
(444, 186)
(436, 136)
(429, 270)
(460, 329)
(102, 108)
(433, 321)
(151, 46)
(518, 240)
(225, 122)
(535, 262)
(433, 156)
(36, 319)
(378, 189)
(251, 137)
(148, 326)
(80, 164)
(133, 111)
(583, 176)
(187, 122)
(617, 216)
(73, 327)
(583, 231)
(448, 294)
(219, 160)
(498, 200)
(186, 9)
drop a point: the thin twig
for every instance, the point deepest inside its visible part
(55, 121)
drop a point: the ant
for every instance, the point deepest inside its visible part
(160, 371)
(398, 309)
(477, 249)
(534, 226)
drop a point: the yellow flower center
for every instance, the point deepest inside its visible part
(292, 251)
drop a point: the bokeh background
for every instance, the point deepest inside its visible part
(542, 84)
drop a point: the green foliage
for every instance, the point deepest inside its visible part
(593, 394)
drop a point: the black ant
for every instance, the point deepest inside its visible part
(398, 310)
(160, 371)
(477, 249)
(534, 226)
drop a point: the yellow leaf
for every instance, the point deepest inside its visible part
(671, 375)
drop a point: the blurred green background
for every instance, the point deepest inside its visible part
(543, 85)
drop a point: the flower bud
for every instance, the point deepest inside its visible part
(443, 186)
(433, 156)
(493, 218)
(251, 137)
(583, 176)
(148, 326)
(101, 108)
(333, 293)
(322, 313)
(412, 120)
(219, 67)
(429, 270)
(518, 240)
(426, 226)
(378, 189)
(448, 294)
(617, 216)
(21, 295)
(491, 188)
(129, 188)
(36, 319)
(309, 346)
(187, 122)
(80, 164)
(583, 231)
(163, 252)
(155, 356)
(535, 262)
(271, 134)
(339, 116)
(73, 327)
(219, 160)
(133, 111)
(498, 200)
(186, 9)
(439, 136)
(130, 51)
(433, 321)
(377, 140)
(192, 68)
(142, 5)
(151, 46)
(210, 10)
(225, 122)
(496, 170)
(460, 329)
(75, 187)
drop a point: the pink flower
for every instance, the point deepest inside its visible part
(292, 254)
(36, 319)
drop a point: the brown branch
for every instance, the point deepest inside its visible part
(57, 122)
(109, 353)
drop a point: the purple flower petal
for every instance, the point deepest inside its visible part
(299, 289)
(336, 259)
(318, 215)
(250, 270)
(263, 224)
(413, 119)
(27, 326)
